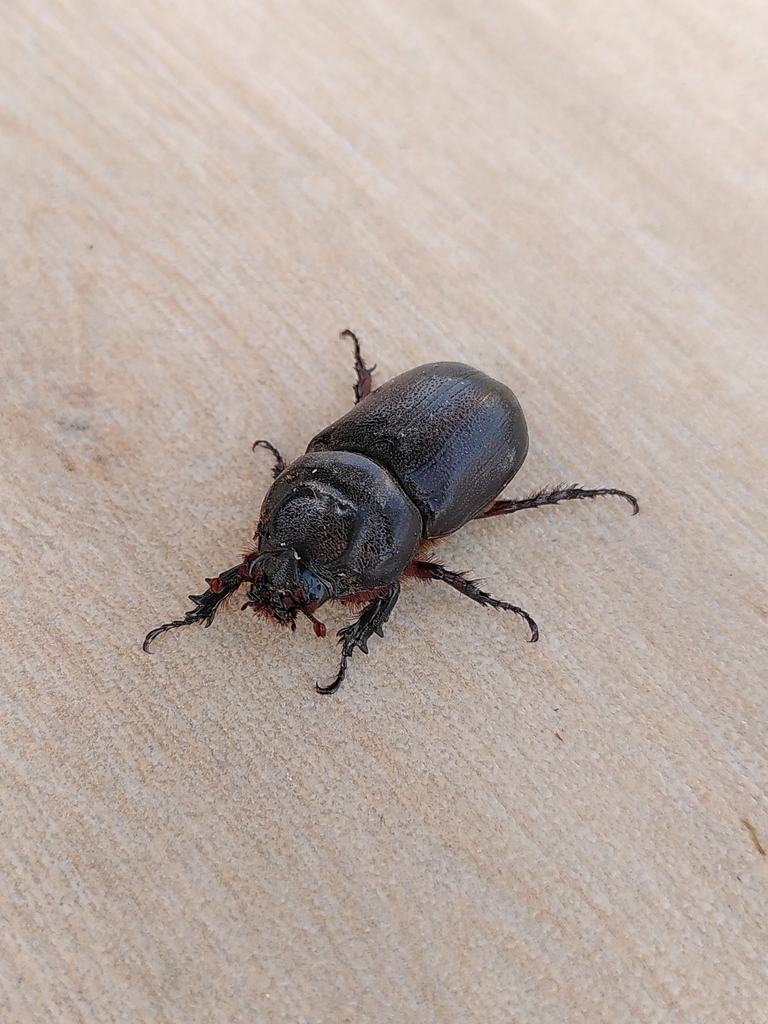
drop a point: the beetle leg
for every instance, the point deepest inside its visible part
(359, 633)
(364, 373)
(505, 507)
(206, 605)
(457, 580)
(279, 465)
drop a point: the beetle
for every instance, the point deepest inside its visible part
(413, 461)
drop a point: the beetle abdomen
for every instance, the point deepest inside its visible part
(452, 436)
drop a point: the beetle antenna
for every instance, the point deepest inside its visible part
(319, 627)
(206, 605)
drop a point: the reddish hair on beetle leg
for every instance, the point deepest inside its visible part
(362, 599)
(416, 569)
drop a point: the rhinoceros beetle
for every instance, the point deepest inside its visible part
(411, 462)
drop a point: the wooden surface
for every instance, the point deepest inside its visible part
(196, 198)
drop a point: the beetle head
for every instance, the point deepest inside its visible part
(282, 585)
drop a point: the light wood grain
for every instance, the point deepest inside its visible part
(195, 199)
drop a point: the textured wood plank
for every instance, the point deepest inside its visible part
(195, 200)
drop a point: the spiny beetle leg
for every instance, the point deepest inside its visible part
(505, 506)
(359, 633)
(457, 580)
(206, 605)
(364, 373)
(279, 465)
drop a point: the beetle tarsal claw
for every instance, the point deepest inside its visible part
(359, 633)
(279, 465)
(506, 506)
(333, 687)
(206, 605)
